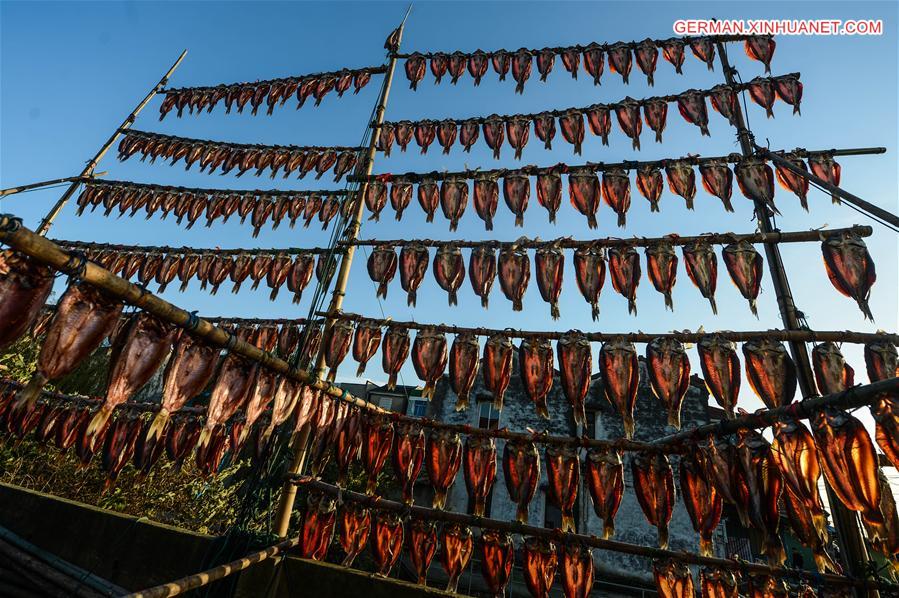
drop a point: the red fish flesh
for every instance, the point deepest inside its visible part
(546, 58)
(763, 485)
(661, 264)
(517, 130)
(718, 180)
(425, 133)
(789, 89)
(449, 270)
(497, 367)
(791, 181)
(605, 481)
(655, 113)
(616, 191)
(355, 525)
(446, 134)
(514, 274)
(494, 134)
(577, 570)
(796, 456)
(444, 457)
(521, 470)
(486, 198)
(704, 504)
(535, 359)
(415, 70)
(825, 167)
(721, 370)
(654, 487)
(572, 125)
(549, 262)
(468, 134)
(673, 52)
(545, 128)
(477, 66)
(621, 376)
(770, 371)
(590, 270)
(456, 548)
(599, 118)
(724, 102)
(429, 359)
(594, 61)
(624, 269)
(516, 193)
(628, 113)
(761, 91)
(563, 474)
(575, 361)
(647, 54)
(702, 268)
(682, 180)
(649, 184)
(387, 540)
(549, 192)
(620, 60)
(669, 374)
(422, 547)
(408, 456)
(480, 471)
(382, 265)
(25, 285)
(365, 344)
(375, 198)
(850, 268)
(539, 565)
(482, 272)
(318, 527)
(744, 264)
(453, 200)
(521, 69)
(394, 352)
(497, 556)
(463, 367)
(413, 266)
(457, 65)
(673, 579)
(585, 193)
(377, 440)
(756, 181)
(338, 338)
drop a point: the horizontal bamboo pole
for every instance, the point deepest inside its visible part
(233, 320)
(254, 146)
(610, 105)
(849, 197)
(155, 249)
(676, 240)
(556, 535)
(603, 46)
(374, 70)
(532, 170)
(857, 396)
(24, 240)
(30, 186)
(206, 191)
(204, 578)
(808, 336)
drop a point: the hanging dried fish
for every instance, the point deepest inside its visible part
(654, 487)
(338, 338)
(486, 197)
(550, 264)
(763, 485)
(446, 134)
(756, 181)
(365, 344)
(549, 193)
(717, 180)
(468, 134)
(605, 481)
(429, 359)
(770, 371)
(355, 525)
(599, 118)
(691, 105)
(516, 193)
(669, 374)
(594, 60)
(621, 375)
(761, 91)
(545, 128)
(546, 58)
(453, 200)
(681, 180)
(791, 181)
(832, 373)
(494, 134)
(704, 504)
(413, 265)
(850, 268)
(744, 264)
(673, 52)
(577, 570)
(422, 547)
(521, 470)
(882, 363)
(444, 458)
(572, 125)
(718, 583)
(425, 133)
(590, 271)
(25, 285)
(584, 194)
(385, 138)
(563, 476)
(394, 352)
(477, 66)
(624, 269)
(647, 54)
(650, 184)
(655, 113)
(84, 317)
(375, 198)
(480, 471)
(575, 360)
(463, 367)
(620, 60)
(616, 191)
(825, 167)
(539, 566)
(661, 264)
(789, 89)
(415, 69)
(535, 359)
(721, 370)
(518, 130)
(408, 455)
(382, 264)
(673, 579)
(514, 274)
(482, 271)
(628, 113)
(449, 270)
(521, 69)
(702, 268)
(497, 367)
(497, 556)
(724, 102)
(457, 65)
(404, 130)
(376, 444)
(387, 540)
(849, 462)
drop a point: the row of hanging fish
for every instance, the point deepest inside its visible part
(213, 155)
(261, 94)
(514, 129)
(587, 189)
(621, 56)
(743, 470)
(163, 265)
(849, 267)
(189, 206)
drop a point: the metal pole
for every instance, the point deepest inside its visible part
(288, 492)
(30, 186)
(849, 197)
(45, 224)
(854, 553)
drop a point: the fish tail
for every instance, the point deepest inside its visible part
(382, 290)
(636, 143)
(361, 368)
(453, 300)
(774, 550)
(796, 110)
(663, 536)
(411, 297)
(608, 528)
(753, 308)
(824, 563)
(689, 203)
(519, 220)
(348, 560)
(488, 224)
(157, 426)
(97, 423)
(205, 435)
(542, 409)
(485, 300)
(803, 201)
(629, 428)
(391, 382)
(452, 584)
(332, 374)
(591, 221)
(714, 305)
(705, 546)
(770, 112)
(863, 305)
(462, 403)
(554, 311)
(669, 303)
(595, 310)
(567, 522)
(479, 506)
(674, 417)
(654, 206)
(498, 402)
(439, 500)
(29, 394)
(428, 391)
(521, 515)
(632, 306)
(728, 207)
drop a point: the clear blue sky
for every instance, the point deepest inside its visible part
(72, 71)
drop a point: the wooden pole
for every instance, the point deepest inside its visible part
(854, 553)
(675, 240)
(47, 222)
(30, 186)
(204, 578)
(556, 535)
(849, 197)
(288, 494)
(808, 336)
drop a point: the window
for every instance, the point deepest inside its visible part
(488, 417)
(386, 403)
(418, 407)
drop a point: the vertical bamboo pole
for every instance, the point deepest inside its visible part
(854, 553)
(45, 224)
(289, 490)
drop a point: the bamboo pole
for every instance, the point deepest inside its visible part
(204, 578)
(208, 191)
(46, 251)
(30, 186)
(581, 109)
(288, 492)
(675, 240)
(532, 169)
(374, 70)
(849, 197)
(854, 555)
(556, 535)
(606, 45)
(152, 249)
(809, 336)
(250, 146)
(47, 222)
